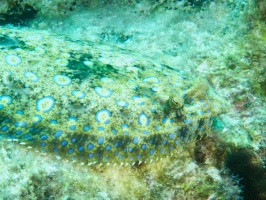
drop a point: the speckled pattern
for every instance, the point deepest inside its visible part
(96, 103)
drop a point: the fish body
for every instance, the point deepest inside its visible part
(95, 103)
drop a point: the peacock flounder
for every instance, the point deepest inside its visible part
(96, 103)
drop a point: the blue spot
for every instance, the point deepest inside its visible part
(53, 121)
(73, 140)
(55, 149)
(71, 118)
(37, 118)
(64, 143)
(58, 133)
(106, 80)
(171, 148)
(125, 150)
(151, 151)
(70, 151)
(126, 132)
(108, 147)
(27, 136)
(157, 127)
(151, 79)
(116, 153)
(116, 144)
(90, 146)
(120, 157)
(80, 148)
(124, 126)
(90, 155)
(138, 100)
(100, 128)
(121, 103)
(151, 141)
(19, 112)
(12, 59)
(186, 120)
(130, 149)
(72, 127)
(176, 142)
(100, 140)
(102, 92)
(4, 128)
(143, 119)
(62, 80)
(18, 132)
(114, 131)
(143, 147)
(164, 142)
(135, 140)
(145, 132)
(201, 100)
(20, 124)
(154, 88)
(138, 156)
(171, 136)
(86, 128)
(45, 104)
(42, 144)
(1, 106)
(103, 116)
(152, 110)
(43, 137)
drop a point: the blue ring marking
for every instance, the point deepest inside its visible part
(143, 119)
(43, 137)
(78, 94)
(64, 143)
(151, 79)
(4, 128)
(12, 59)
(151, 151)
(90, 155)
(143, 146)
(124, 126)
(151, 141)
(37, 118)
(20, 124)
(121, 103)
(72, 127)
(113, 131)
(90, 146)
(102, 92)
(108, 147)
(164, 142)
(157, 127)
(55, 149)
(80, 148)
(1, 106)
(70, 151)
(116, 144)
(71, 118)
(32, 76)
(59, 62)
(100, 128)
(73, 140)
(45, 104)
(58, 133)
(135, 140)
(7, 99)
(43, 144)
(152, 110)
(61, 80)
(103, 116)
(86, 128)
(145, 132)
(53, 121)
(137, 99)
(19, 112)
(171, 136)
(28, 137)
(125, 150)
(185, 120)
(106, 80)
(154, 88)
(100, 140)
(18, 132)
(130, 149)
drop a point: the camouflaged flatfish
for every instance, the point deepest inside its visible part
(96, 103)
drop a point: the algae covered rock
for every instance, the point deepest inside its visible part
(95, 103)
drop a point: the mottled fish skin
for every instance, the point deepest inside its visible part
(95, 103)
